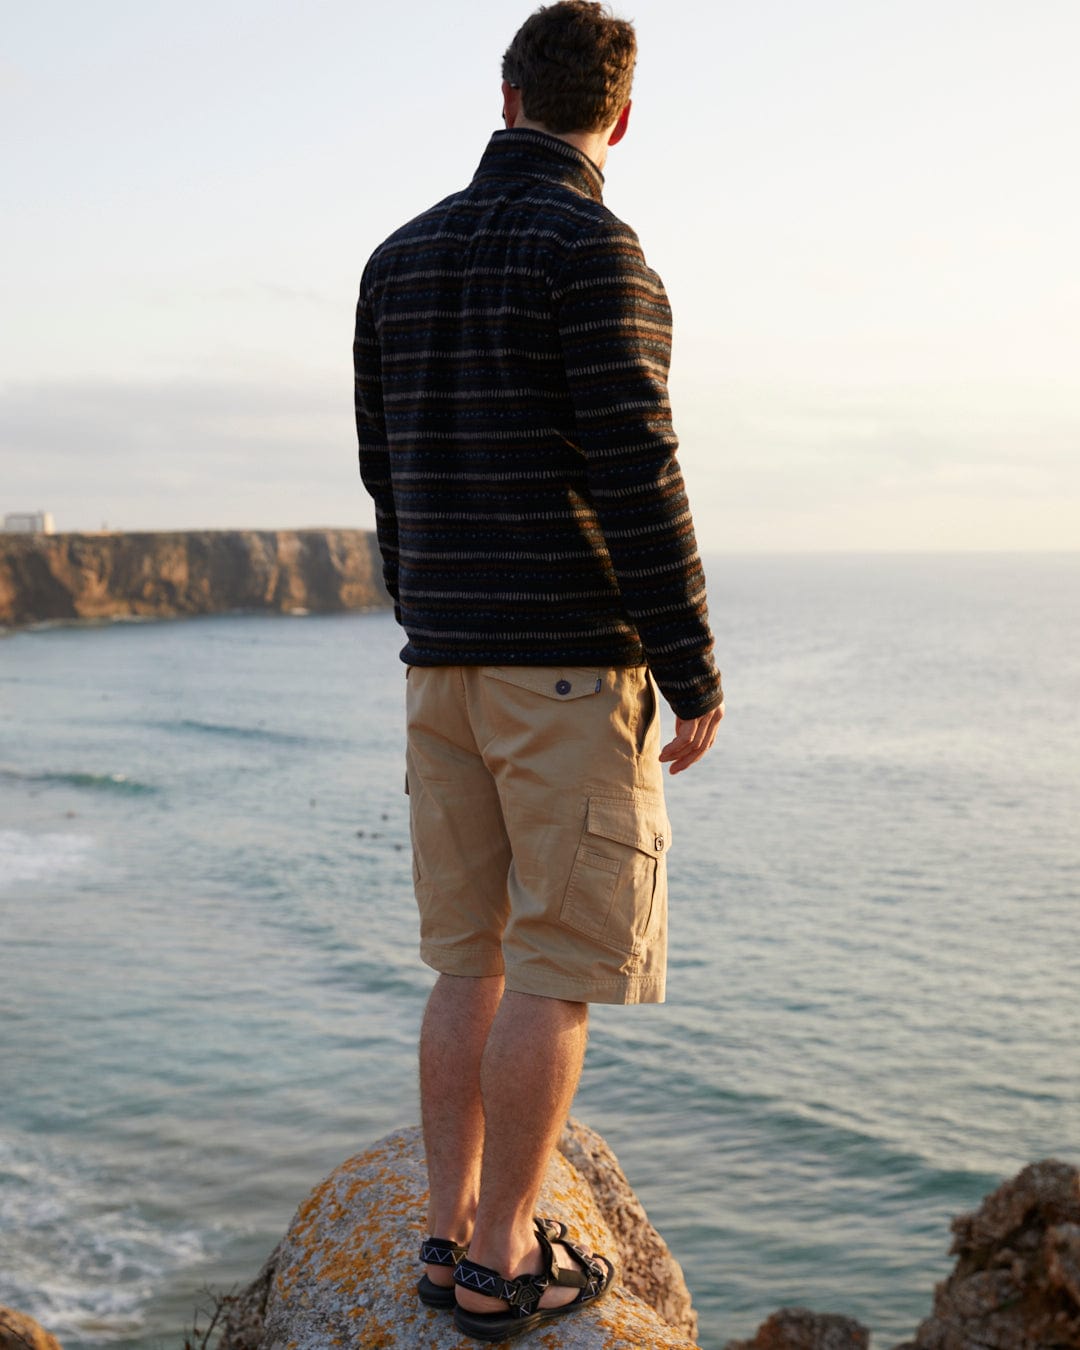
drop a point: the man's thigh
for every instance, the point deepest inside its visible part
(461, 854)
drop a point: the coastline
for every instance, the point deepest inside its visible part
(47, 579)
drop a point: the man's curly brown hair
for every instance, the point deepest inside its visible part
(574, 63)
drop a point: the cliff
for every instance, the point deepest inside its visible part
(105, 576)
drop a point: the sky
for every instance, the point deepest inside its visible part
(866, 214)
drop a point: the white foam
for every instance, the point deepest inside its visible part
(83, 1267)
(34, 857)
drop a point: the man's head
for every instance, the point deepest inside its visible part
(574, 64)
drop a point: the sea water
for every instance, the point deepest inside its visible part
(209, 990)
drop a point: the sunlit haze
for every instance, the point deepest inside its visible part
(865, 215)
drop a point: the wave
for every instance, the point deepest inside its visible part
(381, 976)
(189, 724)
(864, 1145)
(102, 782)
(75, 1259)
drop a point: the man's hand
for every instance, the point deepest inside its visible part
(692, 738)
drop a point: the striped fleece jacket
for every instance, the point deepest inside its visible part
(511, 362)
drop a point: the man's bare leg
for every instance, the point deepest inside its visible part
(456, 1026)
(529, 1075)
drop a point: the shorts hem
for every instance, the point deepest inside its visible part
(626, 990)
(477, 961)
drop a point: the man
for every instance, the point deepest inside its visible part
(511, 359)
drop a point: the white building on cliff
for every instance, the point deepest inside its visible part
(29, 522)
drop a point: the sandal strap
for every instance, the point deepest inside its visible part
(436, 1251)
(591, 1275)
(522, 1293)
(558, 1274)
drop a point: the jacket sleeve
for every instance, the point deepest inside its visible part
(371, 434)
(615, 327)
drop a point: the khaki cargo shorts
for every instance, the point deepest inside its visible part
(539, 830)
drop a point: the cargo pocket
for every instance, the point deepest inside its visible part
(618, 872)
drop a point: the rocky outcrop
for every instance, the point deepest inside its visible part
(346, 1271)
(19, 1332)
(800, 1329)
(1016, 1283)
(105, 576)
(647, 1267)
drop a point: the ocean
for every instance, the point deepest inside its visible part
(210, 994)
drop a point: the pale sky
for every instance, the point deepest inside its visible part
(866, 213)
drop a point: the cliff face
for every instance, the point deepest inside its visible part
(99, 576)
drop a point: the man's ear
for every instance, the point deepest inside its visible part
(620, 127)
(511, 103)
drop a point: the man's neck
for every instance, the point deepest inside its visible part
(593, 144)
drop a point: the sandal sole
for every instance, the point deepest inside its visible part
(433, 1295)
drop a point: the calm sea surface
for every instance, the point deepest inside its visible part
(209, 993)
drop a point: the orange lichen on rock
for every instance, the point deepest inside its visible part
(347, 1269)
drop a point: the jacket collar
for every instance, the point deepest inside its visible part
(535, 154)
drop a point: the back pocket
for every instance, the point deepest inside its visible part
(562, 683)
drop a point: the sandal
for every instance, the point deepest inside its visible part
(523, 1294)
(442, 1252)
(438, 1252)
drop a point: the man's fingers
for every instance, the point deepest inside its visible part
(693, 737)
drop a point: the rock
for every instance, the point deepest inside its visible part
(346, 1271)
(102, 576)
(647, 1266)
(1016, 1283)
(19, 1332)
(1062, 1251)
(244, 1315)
(800, 1329)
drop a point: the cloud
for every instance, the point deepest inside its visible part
(921, 431)
(247, 295)
(183, 452)
(785, 465)
(768, 464)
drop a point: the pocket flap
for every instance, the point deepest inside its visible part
(558, 682)
(641, 823)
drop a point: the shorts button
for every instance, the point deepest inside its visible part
(562, 686)
(659, 843)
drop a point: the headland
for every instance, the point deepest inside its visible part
(85, 577)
